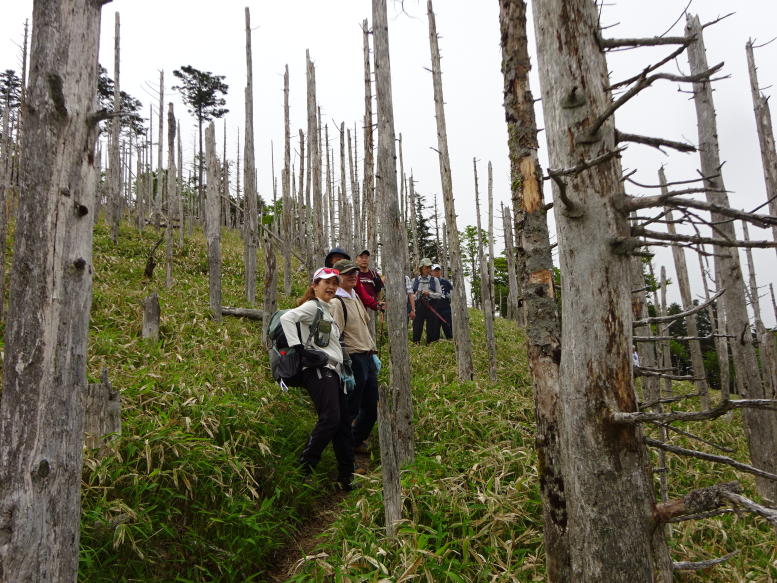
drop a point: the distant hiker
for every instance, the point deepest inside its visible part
(443, 305)
(426, 289)
(337, 253)
(324, 381)
(371, 281)
(351, 317)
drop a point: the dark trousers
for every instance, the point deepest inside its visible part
(424, 314)
(444, 307)
(334, 420)
(364, 404)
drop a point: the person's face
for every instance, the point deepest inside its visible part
(425, 271)
(363, 261)
(436, 273)
(348, 280)
(325, 288)
(335, 258)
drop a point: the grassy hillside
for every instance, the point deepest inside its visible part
(202, 483)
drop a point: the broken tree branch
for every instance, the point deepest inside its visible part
(698, 565)
(718, 411)
(679, 315)
(657, 143)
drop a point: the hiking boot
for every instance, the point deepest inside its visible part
(360, 471)
(361, 448)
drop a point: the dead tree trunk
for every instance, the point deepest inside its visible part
(178, 192)
(249, 170)
(314, 183)
(513, 292)
(602, 462)
(761, 425)
(102, 414)
(683, 282)
(159, 199)
(544, 333)
(115, 166)
(213, 223)
(399, 402)
(491, 276)
(461, 334)
(414, 226)
(171, 188)
(270, 298)
(486, 301)
(763, 123)
(151, 317)
(6, 147)
(368, 230)
(286, 186)
(44, 372)
(718, 323)
(356, 207)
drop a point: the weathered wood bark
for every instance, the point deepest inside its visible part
(718, 323)
(115, 164)
(611, 531)
(102, 414)
(356, 207)
(461, 334)
(270, 297)
(159, 195)
(257, 315)
(763, 124)
(513, 292)
(760, 425)
(6, 147)
(151, 316)
(44, 372)
(213, 224)
(392, 489)
(179, 182)
(314, 166)
(288, 235)
(486, 301)
(684, 284)
(491, 277)
(369, 230)
(171, 188)
(249, 169)
(544, 323)
(394, 248)
(414, 227)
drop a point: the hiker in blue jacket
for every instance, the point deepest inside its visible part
(443, 305)
(427, 290)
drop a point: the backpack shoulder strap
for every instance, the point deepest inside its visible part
(314, 324)
(345, 311)
(416, 282)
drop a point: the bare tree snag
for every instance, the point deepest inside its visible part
(270, 297)
(608, 541)
(102, 414)
(115, 164)
(461, 334)
(761, 426)
(286, 187)
(398, 402)
(5, 188)
(249, 169)
(315, 210)
(369, 230)
(544, 323)
(486, 299)
(44, 372)
(171, 188)
(513, 292)
(763, 123)
(213, 223)
(151, 314)
(491, 277)
(392, 488)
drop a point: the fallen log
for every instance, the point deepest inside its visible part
(242, 313)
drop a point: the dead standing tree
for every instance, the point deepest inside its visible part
(115, 165)
(44, 377)
(461, 333)
(250, 226)
(213, 223)
(368, 228)
(486, 299)
(544, 323)
(600, 462)
(396, 409)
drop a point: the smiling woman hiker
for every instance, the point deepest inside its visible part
(323, 373)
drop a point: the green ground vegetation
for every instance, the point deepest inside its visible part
(202, 483)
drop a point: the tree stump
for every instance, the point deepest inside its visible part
(102, 414)
(151, 314)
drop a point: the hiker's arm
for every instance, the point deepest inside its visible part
(435, 295)
(302, 314)
(366, 298)
(336, 309)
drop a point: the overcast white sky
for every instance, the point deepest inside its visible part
(166, 35)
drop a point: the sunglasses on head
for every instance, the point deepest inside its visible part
(330, 271)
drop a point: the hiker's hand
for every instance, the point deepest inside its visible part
(412, 314)
(381, 306)
(425, 292)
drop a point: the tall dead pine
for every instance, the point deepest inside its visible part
(486, 300)
(461, 333)
(398, 405)
(543, 321)
(250, 226)
(763, 124)
(368, 225)
(115, 164)
(213, 223)
(44, 373)
(761, 425)
(610, 528)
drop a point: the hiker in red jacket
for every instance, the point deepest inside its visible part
(337, 253)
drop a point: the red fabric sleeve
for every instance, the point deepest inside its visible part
(365, 296)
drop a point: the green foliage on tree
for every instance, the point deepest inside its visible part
(130, 123)
(10, 90)
(427, 246)
(470, 243)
